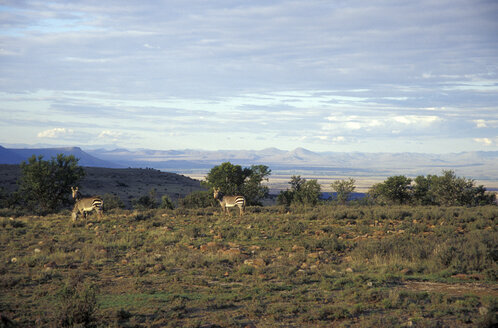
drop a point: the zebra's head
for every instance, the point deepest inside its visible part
(217, 193)
(75, 192)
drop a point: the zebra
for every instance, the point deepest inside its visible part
(230, 201)
(87, 204)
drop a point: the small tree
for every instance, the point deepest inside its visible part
(146, 202)
(227, 177)
(198, 199)
(344, 189)
(450, 190)
(309, 193)
(302, 192)
(234, 180)
(252, 188)
(395, 189)
(45, 185)
(166, 203)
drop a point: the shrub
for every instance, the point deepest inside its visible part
(198, 199)
(166, 203)
(77, 306)
(112, 201)
(45, 185)
(234, 180)
(302, 192)
(146, 202)
(343, 188)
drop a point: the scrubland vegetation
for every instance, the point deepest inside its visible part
(349, 266)
(306, 262)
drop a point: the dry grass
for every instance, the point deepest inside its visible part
(322, 267)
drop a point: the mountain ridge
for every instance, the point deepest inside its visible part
(300, 161)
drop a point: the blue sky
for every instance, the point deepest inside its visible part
(375, 76)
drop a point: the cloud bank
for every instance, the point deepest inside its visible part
(356, 75)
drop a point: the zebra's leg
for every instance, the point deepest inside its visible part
(74, 216)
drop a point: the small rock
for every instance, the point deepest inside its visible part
(231, 251)
(297, 248)
(258, 262)
(483, 310)
(348, 259)
(51, 264)
(212, 244)
(314, 255)
(124, 262)
(159, 267)
(406, 271)
(37, 250)
(278, 249)
(350, 270)
(13, 260)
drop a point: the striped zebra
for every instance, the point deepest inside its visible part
(230, 201)
(86, 204)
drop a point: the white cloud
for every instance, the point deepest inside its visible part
(484, 141)
(415, 119)
(480, 123)
(108, 134)
(272, 68)
(55, 133)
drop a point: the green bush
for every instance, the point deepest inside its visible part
(77, 306)
(112, 201)
(166, 203)
(198, 199)
(146, 202)
(302, 192)
(46, 185)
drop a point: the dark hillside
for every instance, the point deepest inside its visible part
(9, 157)
(47, 153)
(127, 184)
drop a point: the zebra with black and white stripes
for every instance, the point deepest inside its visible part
(86, 204)
(230, 201)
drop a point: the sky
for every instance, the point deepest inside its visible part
(367, 76)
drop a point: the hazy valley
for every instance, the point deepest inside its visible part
(366, 168)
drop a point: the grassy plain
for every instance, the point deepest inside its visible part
(305, 267)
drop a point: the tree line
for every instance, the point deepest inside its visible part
(44, 187)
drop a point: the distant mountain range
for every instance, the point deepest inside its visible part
(478, 165)
(16, 156)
